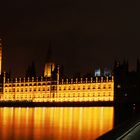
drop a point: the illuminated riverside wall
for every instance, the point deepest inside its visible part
(68, 90)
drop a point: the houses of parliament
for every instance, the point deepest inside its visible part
(52, 87)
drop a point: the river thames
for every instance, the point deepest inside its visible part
(55, 123)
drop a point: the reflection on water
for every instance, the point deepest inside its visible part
(55, 123)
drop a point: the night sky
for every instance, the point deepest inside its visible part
(85, 34)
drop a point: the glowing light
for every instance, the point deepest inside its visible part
(70, 92)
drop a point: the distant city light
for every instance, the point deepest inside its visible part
(97, 72)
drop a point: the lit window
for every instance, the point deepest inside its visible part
(118, 86)
(109, 86)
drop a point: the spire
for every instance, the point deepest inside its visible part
(49, 53)
(49, 64)
(0, 42)
(116, 63)
(138, 65)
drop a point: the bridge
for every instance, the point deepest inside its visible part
(129, 130)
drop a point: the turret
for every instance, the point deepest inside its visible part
(58, 75)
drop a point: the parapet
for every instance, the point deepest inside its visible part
(22, 80)
(86, 80)
(62, 81)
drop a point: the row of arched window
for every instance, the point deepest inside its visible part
(27, 89)
(84, 88)
(84, 94)
(25, 84)
(69, 88)
(22, 96)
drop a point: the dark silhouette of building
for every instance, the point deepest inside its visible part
(126, 83)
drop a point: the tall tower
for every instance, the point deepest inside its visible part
(49, 64)
(0, 56)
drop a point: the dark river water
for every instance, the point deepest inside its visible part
(55, 123)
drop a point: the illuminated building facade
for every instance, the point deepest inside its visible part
(0, 56)
(52, 88)
(41, 90)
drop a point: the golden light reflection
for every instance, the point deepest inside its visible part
(56, 123)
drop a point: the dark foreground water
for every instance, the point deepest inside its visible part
(55, 123)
